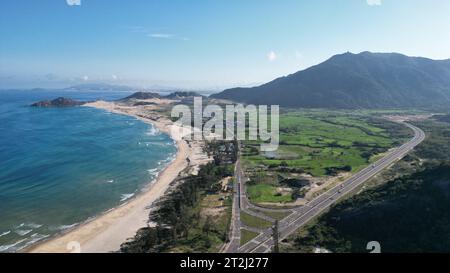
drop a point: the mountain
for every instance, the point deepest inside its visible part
(364, 80)
(143, 96)
(182, 95)
(152, 95)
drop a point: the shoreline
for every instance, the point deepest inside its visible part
(107, 231)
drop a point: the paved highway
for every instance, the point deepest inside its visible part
(302, 215)
(235, 238)
(241, 204)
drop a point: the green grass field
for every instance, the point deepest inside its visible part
(277, 215)
(315, 142)
(320, 144)
(266, 193)
(255, 222)
(247, 235)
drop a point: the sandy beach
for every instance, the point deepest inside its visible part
(108, 231)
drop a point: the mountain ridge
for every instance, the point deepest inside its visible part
(364, 80)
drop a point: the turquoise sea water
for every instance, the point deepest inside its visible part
(60, 167)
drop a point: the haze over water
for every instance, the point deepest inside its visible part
(62, 166)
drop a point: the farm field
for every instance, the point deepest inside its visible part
(315, 146)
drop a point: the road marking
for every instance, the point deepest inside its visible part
(349, 185)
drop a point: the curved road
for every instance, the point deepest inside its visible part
(263, 243)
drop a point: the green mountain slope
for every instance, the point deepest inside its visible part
(365, 80)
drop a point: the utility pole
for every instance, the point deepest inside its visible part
(275, 236)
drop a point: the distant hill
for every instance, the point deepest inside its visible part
(442, 118)
(365, 80)
(100, 87)
(152, 95)
(143, 96)
(182, 95)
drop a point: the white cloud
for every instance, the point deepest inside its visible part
(114, 77)
(73, 2)
(161, 35)
(85, 78)
(167, 36)
(156, 35)
(374, 2)
(272, 56)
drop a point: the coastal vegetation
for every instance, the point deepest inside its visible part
(195, 216)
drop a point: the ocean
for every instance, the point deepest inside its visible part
(60, 167)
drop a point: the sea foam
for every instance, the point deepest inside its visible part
(153, 131)
(23, 232)
(5, 233)
(125, 197)
(64, 227)
(4, 248)
(36, 237)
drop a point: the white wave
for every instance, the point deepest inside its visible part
(64, 227)
(4, 248)
(23, 232)
(33, 225)
(36, 237)
(110, 181)
(40, 236)
(125, 197)
(167, 160)
(153, 131)
(156, 143)
(171, 158)
(153, 171)
(5, 233)
(28, 225)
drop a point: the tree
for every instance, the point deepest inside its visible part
(296, 194)
(207, 226)
(184, 225)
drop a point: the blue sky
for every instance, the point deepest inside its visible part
(206, 44)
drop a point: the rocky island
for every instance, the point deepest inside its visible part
(59, 102)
